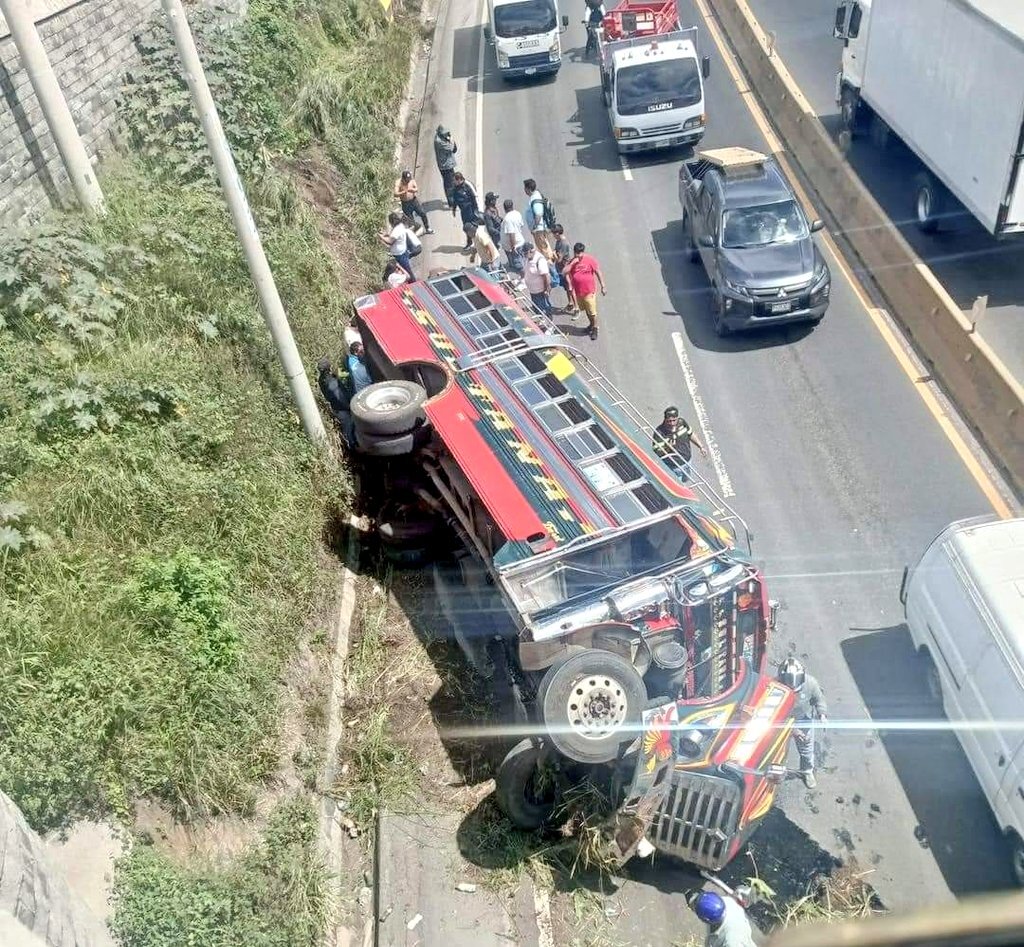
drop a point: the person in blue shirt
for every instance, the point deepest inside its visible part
(357, 369)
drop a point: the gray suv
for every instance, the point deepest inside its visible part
(743, 221)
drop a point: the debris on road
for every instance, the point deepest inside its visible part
(466, 887)
(414, 923)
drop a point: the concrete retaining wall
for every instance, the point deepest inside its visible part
(988, 396)
(37, 908)
(90, 44)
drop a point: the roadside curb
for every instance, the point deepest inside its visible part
(331, 830)
(987, 394)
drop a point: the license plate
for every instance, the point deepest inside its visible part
(780, 307)
(527, 43)
(664, 143)
(530, 70)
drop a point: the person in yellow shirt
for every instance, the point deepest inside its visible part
(482, 246)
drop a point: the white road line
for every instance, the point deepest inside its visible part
(626, 173)
(478, 165)
(702, 417)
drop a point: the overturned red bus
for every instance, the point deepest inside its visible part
(591, 586)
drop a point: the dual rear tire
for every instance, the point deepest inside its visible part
(389, 418)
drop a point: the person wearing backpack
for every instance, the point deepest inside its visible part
(539, 217)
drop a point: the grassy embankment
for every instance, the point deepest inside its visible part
(162, 513)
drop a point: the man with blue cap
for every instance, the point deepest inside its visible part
(728, 925)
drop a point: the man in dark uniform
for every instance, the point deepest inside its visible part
(672, 442)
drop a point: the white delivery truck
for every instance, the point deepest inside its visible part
(964, 604)
(525, 35)
(947, 76)
(652, 81)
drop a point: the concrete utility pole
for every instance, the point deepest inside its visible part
(245, 226)
(22, 25)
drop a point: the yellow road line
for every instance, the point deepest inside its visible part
(970, 461)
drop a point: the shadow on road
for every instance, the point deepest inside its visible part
(690, 294)
(596, 147)
(954, 820)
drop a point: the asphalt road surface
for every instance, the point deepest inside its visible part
(968, 261)
(835, 460)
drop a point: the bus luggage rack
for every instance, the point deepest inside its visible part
(554, 337)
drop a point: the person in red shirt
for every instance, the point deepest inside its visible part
(584, 274)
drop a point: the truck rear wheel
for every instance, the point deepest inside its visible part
(388, 407)
(527, 787)
(929, 202)
(591, 703)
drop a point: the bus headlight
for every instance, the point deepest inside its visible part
(626, 132)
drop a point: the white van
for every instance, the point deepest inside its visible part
(964, 604)
(525, 36)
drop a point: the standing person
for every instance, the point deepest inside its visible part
(512, 239)
(562, 255)
(672, 440)
(728, 924)
(491, 217)
(537, 276)
(535, 217)
(585, 275)
(595, 14)
(483, 246)
(357, 369)
(407, 191)
(397, 242)
(444, 152)
(465, 201)
(810, 707)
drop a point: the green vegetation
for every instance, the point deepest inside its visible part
(160, 508)
(273, 897)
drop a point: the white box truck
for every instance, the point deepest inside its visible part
(525, 35)
(947, 76)
(651, 78)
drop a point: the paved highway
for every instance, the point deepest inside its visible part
(969, 262)
(836, 461)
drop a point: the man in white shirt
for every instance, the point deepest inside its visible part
(512, 239)
(397, 242)
(537, 276)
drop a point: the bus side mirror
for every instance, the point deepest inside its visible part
(488, 35)
(705, 66)
(565, 22)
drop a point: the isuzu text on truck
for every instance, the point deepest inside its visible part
(604, 600)
(947, 76)
(525, 35)
(651, 79)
